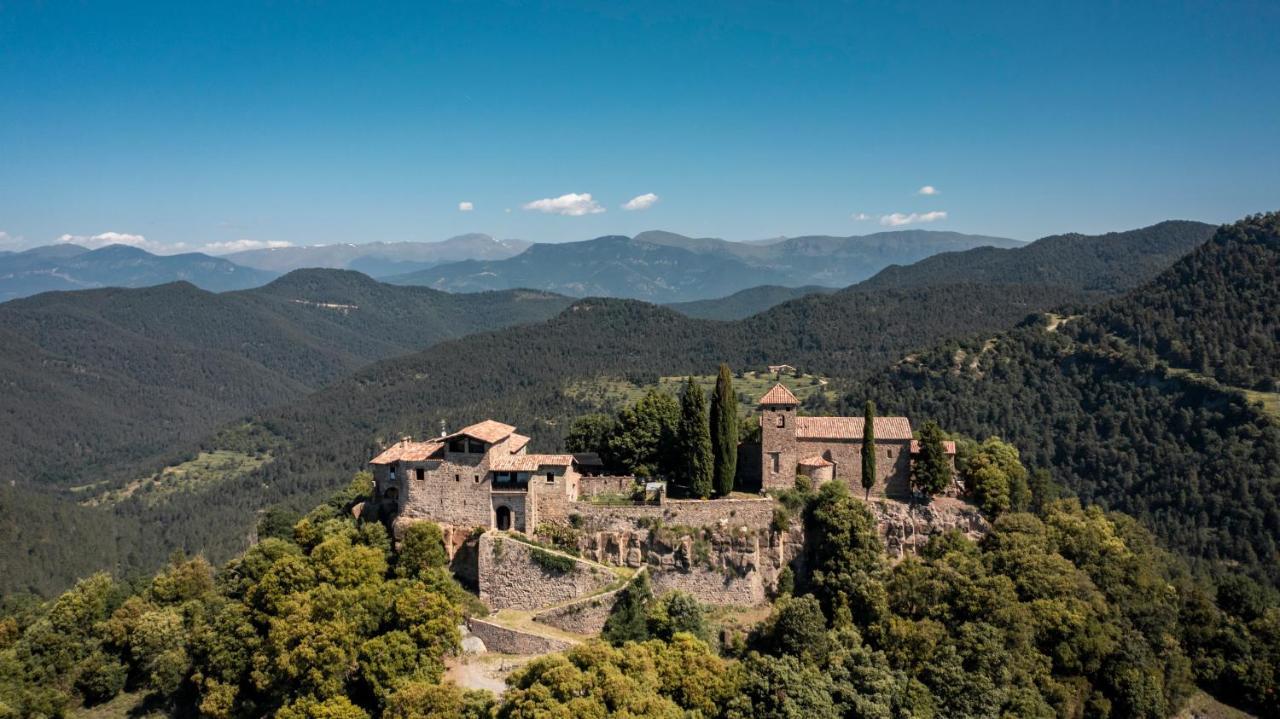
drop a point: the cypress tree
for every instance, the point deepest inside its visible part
(724, 432)
(931, 472)
(695, 440)
(869, 448)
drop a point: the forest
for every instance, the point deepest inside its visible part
(1061, 611)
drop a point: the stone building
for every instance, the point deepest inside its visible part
(479, 476)
(830, 448)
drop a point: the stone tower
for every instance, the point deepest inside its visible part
(778, 438)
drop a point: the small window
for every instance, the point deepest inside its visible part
(551, 478)
(422, 474)
(774, 461)
(782, 420)
(477, 479)
(888, 453)
(457, 477)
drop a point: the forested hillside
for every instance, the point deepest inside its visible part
(301, 451)
(1064, 612)
(1217, 312)
(741, 305)
(1108, 263)
(1198, 463)
(99, 378)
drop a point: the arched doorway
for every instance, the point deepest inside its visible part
(503, 517)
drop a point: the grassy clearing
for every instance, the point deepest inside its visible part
(611, 393)
(1269, 401)
(126, 705)
(1203, 706)
(206, 469)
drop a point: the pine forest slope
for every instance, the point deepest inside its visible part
(741, 305)
(1198, 462)
(101, 378)
(1112, 262)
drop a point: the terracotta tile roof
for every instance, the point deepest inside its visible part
(779, 395)
(948, 447)
(406, 451)
(887, 428)
(529, 462)
(487, 431)
(815, 461)
(516, 442)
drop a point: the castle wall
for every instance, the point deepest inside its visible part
(609, 484)
(893, 464)
(755, 514)
(510, 576)
(585, 616)
(778, 454)
(505, 640)
(454, 491)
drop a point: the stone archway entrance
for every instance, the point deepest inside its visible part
(502, 517)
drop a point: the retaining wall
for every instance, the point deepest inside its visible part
(505, 640)
(511, 577)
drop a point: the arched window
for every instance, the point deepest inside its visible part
(503, 518)
(782, 420)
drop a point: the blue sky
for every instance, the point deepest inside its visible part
(311, 123)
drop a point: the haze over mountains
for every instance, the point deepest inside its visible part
(666, 267)
(379, 259)
(72, 267)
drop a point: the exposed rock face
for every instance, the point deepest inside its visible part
(906, 528)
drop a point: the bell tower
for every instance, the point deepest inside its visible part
(778, 438)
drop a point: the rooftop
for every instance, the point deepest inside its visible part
(887, 428)
(407, 450)
(779, 395)
(530, 462)
(487, 431)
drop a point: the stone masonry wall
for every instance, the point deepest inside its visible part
(585, 616)
(510, 576)
(504, 640)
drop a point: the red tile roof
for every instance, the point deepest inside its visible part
(887, 428)
(529, 462)
(406, 451)
(487, 431)
(779, 395)
(948, 447)
(516, 442)
(815, 461)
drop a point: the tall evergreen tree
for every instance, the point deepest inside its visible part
(931, 472)
(869, 448)
(724, 432)
(695, 440)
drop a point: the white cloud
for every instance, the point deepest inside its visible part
(570, 205)
(224, 248)
(10, 242)
(466, 207)
(927, 190)
(94, 242)
(860, 216)
(641, 202)
(897, 218)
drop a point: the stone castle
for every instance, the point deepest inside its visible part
(494, 499)
(484, 476)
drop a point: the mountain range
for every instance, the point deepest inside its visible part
(379, 259)
(72, 267)
(666, 267)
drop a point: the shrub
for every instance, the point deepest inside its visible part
(554, 563)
